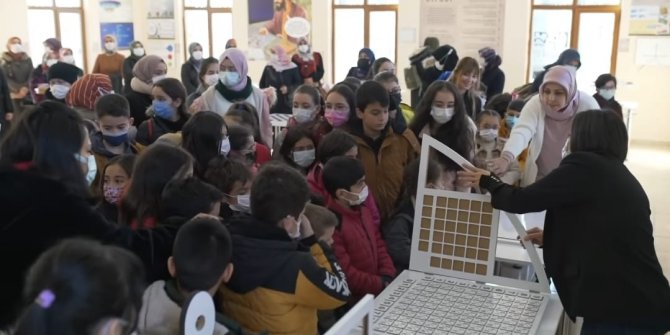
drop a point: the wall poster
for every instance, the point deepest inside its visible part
(277, 22)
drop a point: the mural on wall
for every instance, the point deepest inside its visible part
(273, 22)
(650, 17)
(160, 20)
(116, 19)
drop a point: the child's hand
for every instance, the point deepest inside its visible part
(499, 166)
(305, 227)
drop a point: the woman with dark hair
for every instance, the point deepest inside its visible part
(382, 64)
(45, 198)
(598, 238)
(207, 76)
(340, 107)
(298, 149)
(606, 86)
(82, 287)
(441, 115)
(205, 136)
(167, 112)
(155, 167)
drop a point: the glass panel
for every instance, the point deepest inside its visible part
(197, 29)
(551, 35)
(221, 3)
(349, 27)
(68, 3)
(71, 35)
(599, 2)
(383, 2)
(40, 3)
(596, 35)
(222, 31)
(195, 3)
(553, 2)
(349, 2)
(382, 34)
(43, 18)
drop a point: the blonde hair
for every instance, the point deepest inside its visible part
(321, 219)
(466, 65)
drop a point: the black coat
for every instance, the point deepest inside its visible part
(598, 242)
(138, 102)
(189, 76)
(36, 213)
(290, 78)
(494, 79)
(128, 65)
(610, 104)
(397, 233)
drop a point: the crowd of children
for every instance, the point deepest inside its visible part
(203, 204)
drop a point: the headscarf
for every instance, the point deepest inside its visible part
(15, 56)
(133, 45)
(240, 62)
(282, 61)
(369, 53)
(490, 57)
(194, 62)
(566, 77)
(144, 68)
(88, 89)
(308, 56)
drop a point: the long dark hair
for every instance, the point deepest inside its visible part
(175, 90)
(249, 115)
(48, 137)
(201, 137)
(89, 283)
(294, 135)
(601, 132)
(350, 97)
(456, 133)
(155, 167)
(204, 66)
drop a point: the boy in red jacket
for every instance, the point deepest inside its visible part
(358, 244)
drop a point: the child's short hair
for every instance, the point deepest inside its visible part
(499, 103)
(114, 105)
(487, 112)
(516, 105)
(277, 192)
(386, 77)
(202, 250)
(411, 175)
(321, 219)
(336, 143)
(188, 197)
(371, 92)
(224, 173)
(342, 172)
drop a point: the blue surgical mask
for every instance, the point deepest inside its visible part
(229, 78)
(163, 109)
(116, 139)
(510, 120)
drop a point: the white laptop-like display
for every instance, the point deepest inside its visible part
(450, 287)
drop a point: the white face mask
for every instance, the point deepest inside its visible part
(304, 48)
(304, 158)
(229, 78)
(16, 48)
(110, 46)
(488, 135)
(243, 204)
(68, 59)
(361, 197)
(92, 170)
(197, 55)
(566, 149)
(302, 115)
(606, 93)
(211, 79)
(225, 146)
(59, 91)
(51, 62)
(139, 52)
(442, 115)
(156, 79)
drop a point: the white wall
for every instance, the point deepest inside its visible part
(650, 124)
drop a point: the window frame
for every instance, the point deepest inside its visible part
(210, 12)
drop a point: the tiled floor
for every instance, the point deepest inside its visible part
(651, 166)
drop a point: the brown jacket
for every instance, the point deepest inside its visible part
(384, 170)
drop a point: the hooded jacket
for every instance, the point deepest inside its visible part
(564, 58)
(279, 284)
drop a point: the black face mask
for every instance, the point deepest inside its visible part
(364, 64)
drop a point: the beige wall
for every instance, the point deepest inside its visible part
(645, 82)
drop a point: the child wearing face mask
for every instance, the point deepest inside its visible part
(488, 147)
(307, 112)
(168, 111)
(357, 242)
(113, 138)
(116, 175)
(61, 76)
(298, 149)
(512, 115)
(244, 149)
(233, 179)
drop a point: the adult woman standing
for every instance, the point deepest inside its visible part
(545, 122)
(235, 86)
(606, 86)
(284, 76)
(492, 77)
(111, 63)
(190, 69)
(136, 52)
(598, 238)
(310, 63)
(18, 68)
(147, 71)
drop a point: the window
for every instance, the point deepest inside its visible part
(590, 26)
(62, 19)
(362, 23)
(208, 22)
